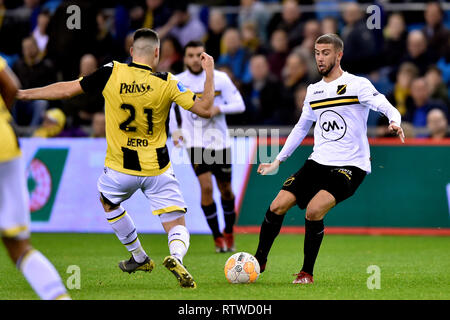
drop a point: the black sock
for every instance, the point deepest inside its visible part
(210, 212)
(314, 231)
(270, 229)
(229, 214)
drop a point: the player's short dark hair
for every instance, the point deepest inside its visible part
(193, 44)
(331, 38)
(146, 33)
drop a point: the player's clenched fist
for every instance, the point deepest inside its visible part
(394, 128)
(268, 168)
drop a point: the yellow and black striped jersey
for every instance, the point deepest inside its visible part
(137, 105)
(10, 145)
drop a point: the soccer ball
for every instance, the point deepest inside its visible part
(242, 267)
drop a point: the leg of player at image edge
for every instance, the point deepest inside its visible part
(42, 276)
(15, 233)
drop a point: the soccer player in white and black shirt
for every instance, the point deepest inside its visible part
(208, 143)
(339, 105)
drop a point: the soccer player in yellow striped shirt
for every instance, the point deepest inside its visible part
(137, 105)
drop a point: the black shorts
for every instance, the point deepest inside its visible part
(218, 162)
(341, 182)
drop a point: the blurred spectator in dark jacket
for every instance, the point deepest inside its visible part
(329, 25)
(33, 71)
(235, 56)
(30, 11)
(80, 109)
(262, 94)
(295, 74)
(402, 87)
(299, 97)
(311, 31)
(395, 34)
(154, 15)
(171, 59)
(67, 45)
(40, 32)
(127, 44)
(359, 42)
(184, 26)
(216, 27)
(436, 33)
(399, 96)
(250, 39)
(437, 124)
(420, 103)
(105, 47)
(438, 89)
(290, 20)
(279, 52)
(444, 64)
(417, 51)
(295, 71)
(13, 28)
(98, 125)
(252, 11)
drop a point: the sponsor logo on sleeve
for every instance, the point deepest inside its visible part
(181, 86)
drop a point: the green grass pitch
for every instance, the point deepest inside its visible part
(411, 268)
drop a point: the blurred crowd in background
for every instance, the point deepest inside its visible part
(266, 47)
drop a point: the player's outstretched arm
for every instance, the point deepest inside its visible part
(202, 107)
(294, 139)
(376, 101)
(55, 91)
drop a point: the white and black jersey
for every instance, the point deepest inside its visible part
(340, 109)
(207, 133)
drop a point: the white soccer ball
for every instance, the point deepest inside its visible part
(242, 267)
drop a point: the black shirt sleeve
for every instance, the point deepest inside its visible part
(96, 82)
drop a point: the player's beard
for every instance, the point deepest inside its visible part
(194, 72)
(325, 72)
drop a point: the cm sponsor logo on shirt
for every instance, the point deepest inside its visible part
(333, 125)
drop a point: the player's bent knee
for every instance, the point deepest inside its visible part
(207, 190)
(16, 248)
(278, 208)
(174, 216)
(227, 195)
(172, 219)
(314, 213)
(108, 206)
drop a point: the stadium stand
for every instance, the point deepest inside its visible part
(39, 46)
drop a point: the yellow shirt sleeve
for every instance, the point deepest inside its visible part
(2, 64)
(181, 95)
